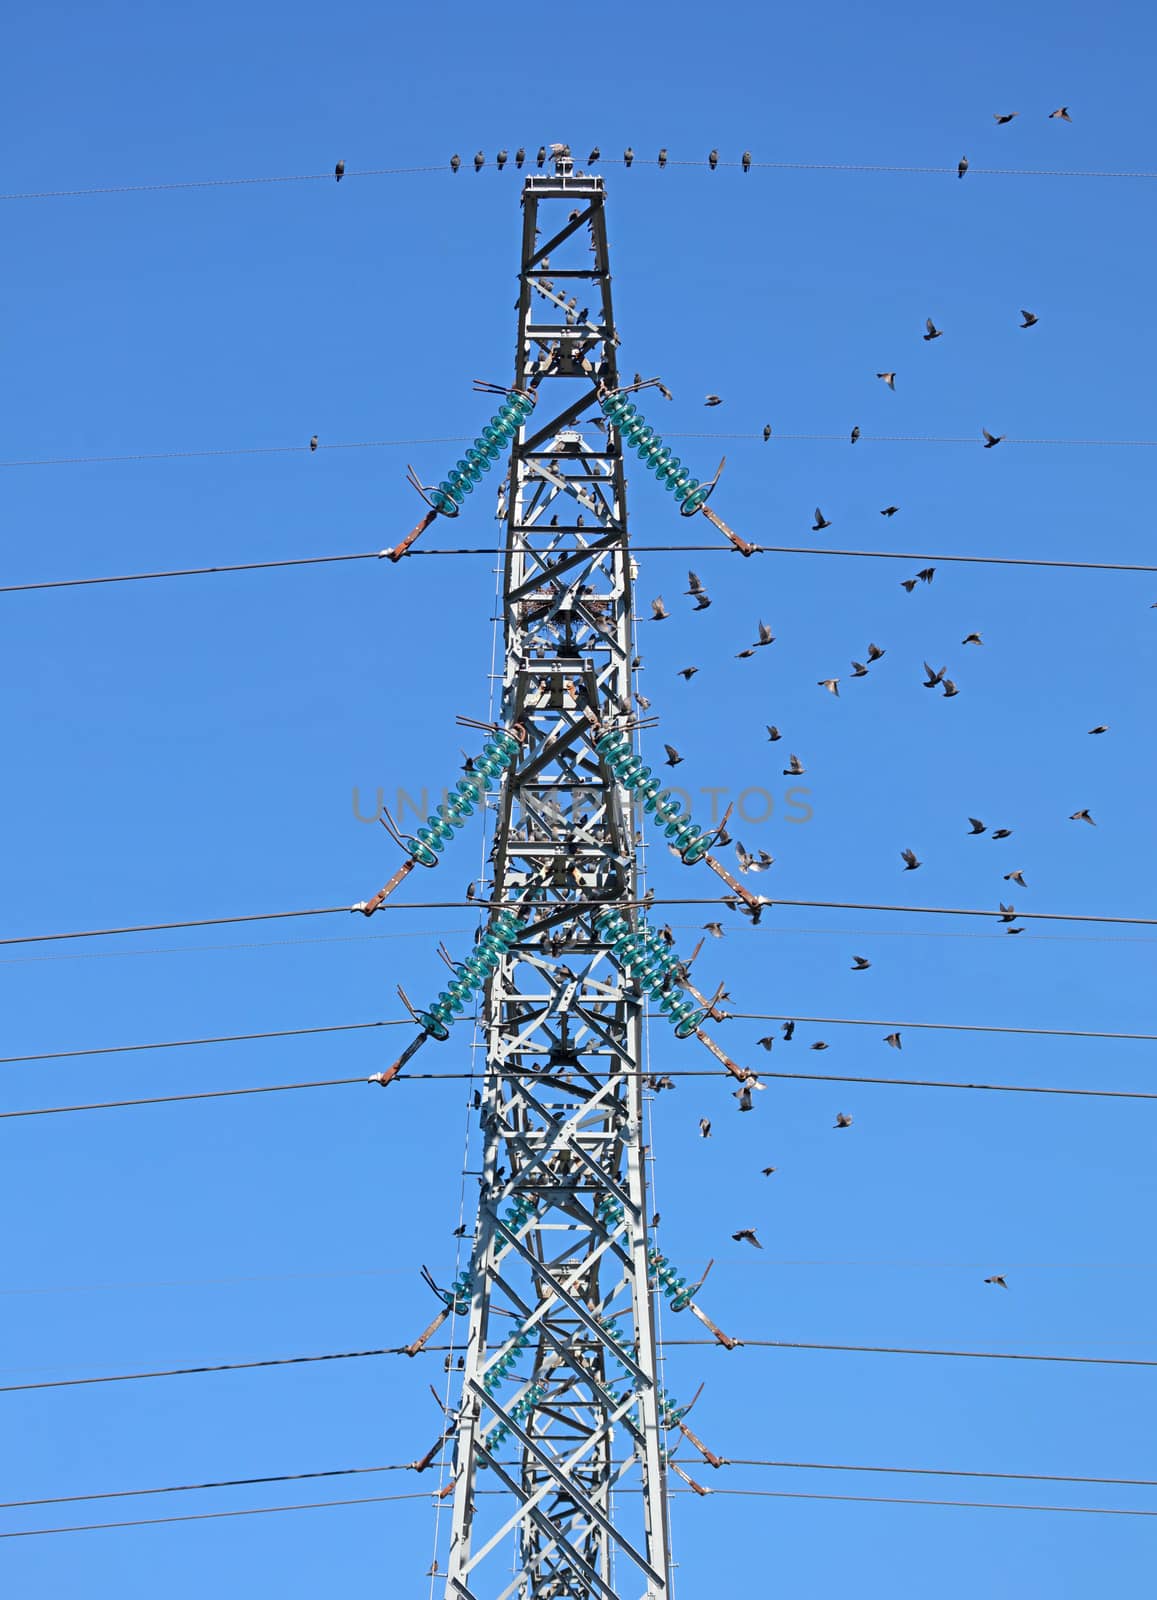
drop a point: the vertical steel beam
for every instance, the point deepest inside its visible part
(559, 1473)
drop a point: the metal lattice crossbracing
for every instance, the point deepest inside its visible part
(561, 1411)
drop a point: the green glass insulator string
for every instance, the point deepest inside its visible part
(503, 931)
(503, 425)
(658, 803)
(654, 968)
(654, 454)
(439, 828)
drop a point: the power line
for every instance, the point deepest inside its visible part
(209, 1516)
(476, 1077)
(685, 549)
(729, 1461)
(430, 1349)
(907, 1500)
(578, 905)
(871, 1022)
(738, 1016)
(640, 161)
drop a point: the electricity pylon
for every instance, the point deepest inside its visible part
(560, 1440)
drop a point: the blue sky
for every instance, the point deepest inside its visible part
(189, 749)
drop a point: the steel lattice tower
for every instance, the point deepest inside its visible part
(559, 1268)
(560, 1439)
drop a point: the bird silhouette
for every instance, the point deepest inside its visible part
(663, 157)
(991, 439)
(855, 434)
(859, 670)
(704, 1127)
(889, 378)
(843, 1120)
(687, 673)
(860, 964)
(313, 442)
(743, 1095)
(1030, 318)
(1082, 816)
(519, 157)
(933, 331)
(773, 733)
(1062, 112)
(713, 400)
(541, 156)
(747, 1236)
(795, 767)
(479, 161)
(962, 166)
(713, 160)
(455, 162)
(889, 511)
(997, 1279)
(628, 156)
(788, 1031)
(832, 685)
(1001, 117)
(972, 638)
(339, 172)
(659, 612)
(593, 157)
(1101, 728)
(821, 522)
(894, 1040)
(747, 161)
(673, 756)
(977, 826)
(875, 653)
(910, 860)
(1002, 833)
(766, 432)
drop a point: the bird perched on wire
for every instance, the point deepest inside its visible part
(713, 160)
(1001, 117)
(933, 331)
(455, 162)
(659, 612)
(795, 767)
(746, 161)
(673, 756)
(594, 156)
(855, 434)
(519, 157)
(628, 156)
(313, 442)
(502, 158)
(479, 161)
(910, 860)
(541, 156)
(713, 400)
(991, 439)
(843, 1120)
(339, 172)
(1030, 318)
(747, 1236)
(821, 522)
(766, 432)
(962, 166)
(663, 156)
(889, 378)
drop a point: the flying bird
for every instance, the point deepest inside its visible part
(908, 583)
(933, 331)
(766, 1042)
(843, 1120)
(860, 964)
(894, 1040)
(933, 678)
(1062, 112)
(977, 825)
(713, 160)
(765, 635)
(1007, 913)
(859, 670)
(743, 655)
(752, 863)
(875, 653)
(950, 689)
(962, 166)
(773, 733)
(821, 522)
(889, 511)
(788, 1031)
(313, 442)
(832, 685)
(455, 163)
(855, 434)
(819, 1044)
(713, 400)
(1016, 877)
(795, 767)
(704, 1127)
(1102, 727)
(339, 172)
(991, 439)
(767, 1171)
(972, 638)
(479, 161)
(673, 756)
(659, 612)
(910, 860)
(695, 583)
(1002, 833)
(1001, 117)
(687, 673)
(997, 1279)
(1030, 318)
(926, 574)
(889, 378)
(743, 1095)
(1082, 816)
(747, 1236)
(715, 929)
